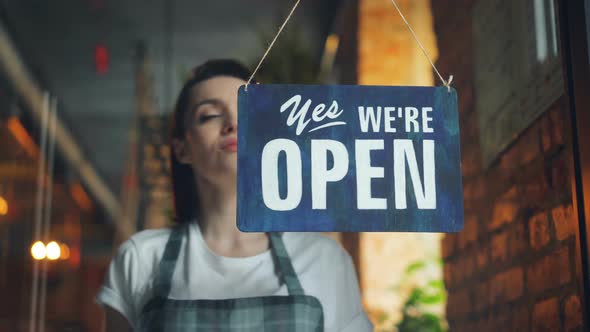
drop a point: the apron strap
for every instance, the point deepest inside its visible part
(284, 264)
(168, 262)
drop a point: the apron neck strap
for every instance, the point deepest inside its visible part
(168, 263)
(285, 267)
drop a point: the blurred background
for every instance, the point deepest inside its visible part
(87, 86)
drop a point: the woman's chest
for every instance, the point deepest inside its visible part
(197, 278)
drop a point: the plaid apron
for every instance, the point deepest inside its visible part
(295, 312)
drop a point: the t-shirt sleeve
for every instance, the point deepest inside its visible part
(354, 317)
(123, 282)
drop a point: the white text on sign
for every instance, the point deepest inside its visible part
(403, 154)
(375, 119)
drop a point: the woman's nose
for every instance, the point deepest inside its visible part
(231, 125)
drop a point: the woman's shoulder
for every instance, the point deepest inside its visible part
(146, 243)
(150, 237)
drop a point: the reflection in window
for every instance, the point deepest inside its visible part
(545, 29)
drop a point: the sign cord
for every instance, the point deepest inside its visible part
(272, 43)
(446, 83)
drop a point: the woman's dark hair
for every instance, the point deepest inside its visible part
(184, 194)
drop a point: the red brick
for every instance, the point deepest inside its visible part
(482, 296)
(547, 133)
(459, 303)
(517, 240)
(464, 325)
(486, 322)
(470, 159)
(565, 225)
(474, 189)
(539, 231)
(499, 247)
(520, 319)
(481, 256)
(469, 265)
(505, 209)
(507, 286)
(537, 190)
(448, 272)
(510, 194)
(468, 326)
(572, 313)
(469, 233)
(496, 191)
(546, 316)
(448, 245)
(482, 325)
(558, 124)
(498, 321)
(525, 150)
(549, 272)
(532, 174)
(464, 268)
(560, 174)
(455, 325)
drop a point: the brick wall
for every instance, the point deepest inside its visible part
(513, 267)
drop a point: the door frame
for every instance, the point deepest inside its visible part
(576, 71)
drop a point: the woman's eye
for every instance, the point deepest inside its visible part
(206, 117)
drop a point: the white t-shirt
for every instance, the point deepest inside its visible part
(324, 269)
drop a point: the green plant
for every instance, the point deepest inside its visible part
(417, 315)
(289, 61)
(421, 311)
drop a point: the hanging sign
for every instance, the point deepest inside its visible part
(348, 158)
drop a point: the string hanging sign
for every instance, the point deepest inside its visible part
(348, 158)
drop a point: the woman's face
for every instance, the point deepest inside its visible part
(210, 144)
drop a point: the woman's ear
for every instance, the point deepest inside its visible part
(181, 151)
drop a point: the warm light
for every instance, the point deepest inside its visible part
(332, 43)
(3, 206)
(22, 136)
(327, 62)
(53, 250)
(38, 250)
(80, 196)
(65, 251)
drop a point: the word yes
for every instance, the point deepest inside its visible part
(298, 115)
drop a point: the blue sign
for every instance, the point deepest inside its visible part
(347, 158)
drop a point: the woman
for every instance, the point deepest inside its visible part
(205, 274)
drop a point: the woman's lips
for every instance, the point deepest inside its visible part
(230, 145)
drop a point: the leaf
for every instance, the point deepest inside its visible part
(432, 299)
(415, 267)
(423, 323)
(436, 284)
